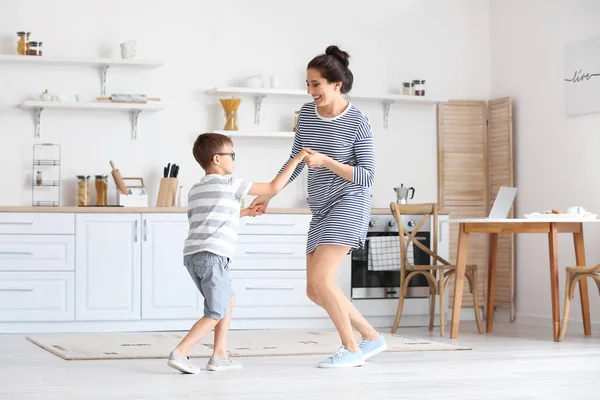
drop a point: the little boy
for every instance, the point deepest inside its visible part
(213, 214)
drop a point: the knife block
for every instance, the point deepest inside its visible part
(167, 192)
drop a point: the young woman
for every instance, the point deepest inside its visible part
(341, 164)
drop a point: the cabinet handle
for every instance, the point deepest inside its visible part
(135, 231)
(269, 288)
(269, 252)
(16, 223)
(145, 230)
(16, 253)
(271, 224)
(440, 231)
(16, 290)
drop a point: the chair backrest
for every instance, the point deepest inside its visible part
(427, 210)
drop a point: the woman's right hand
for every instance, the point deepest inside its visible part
(262, 200)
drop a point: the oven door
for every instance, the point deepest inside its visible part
(372, 283)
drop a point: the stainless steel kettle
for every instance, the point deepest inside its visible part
(402, 193)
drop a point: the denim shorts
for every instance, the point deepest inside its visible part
(210, 273)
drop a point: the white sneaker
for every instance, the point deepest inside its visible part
(182, 364)
(214, 364)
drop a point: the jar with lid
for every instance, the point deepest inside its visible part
(22, 42)
(419, 87)
(34, 49)
(38, 178)
(408, 89)
(101, 190)
(296, 115)
(84, 190)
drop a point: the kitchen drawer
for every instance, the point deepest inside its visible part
(37, 253)
(37, 296)
(270, 252)
(275, 224)
(37, 223)
(282, 294)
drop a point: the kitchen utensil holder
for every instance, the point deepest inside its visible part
(46, 157)
(167, 192)
(136, 196)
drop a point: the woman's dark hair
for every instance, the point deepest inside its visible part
(333, 66)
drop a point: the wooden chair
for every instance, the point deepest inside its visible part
(574, 275)
(438, 275)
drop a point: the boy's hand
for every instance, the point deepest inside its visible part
(254, 211)
(300, 156)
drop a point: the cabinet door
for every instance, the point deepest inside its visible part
(107, 267)
(168, 291)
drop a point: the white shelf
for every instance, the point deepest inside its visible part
(258, 91)
(102, 63)
(82, 62)
(386, 100)
(135, 110)
(93, 106)
(256, 134)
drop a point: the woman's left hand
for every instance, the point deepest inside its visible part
(314, 159)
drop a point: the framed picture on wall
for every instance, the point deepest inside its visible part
(582, 77)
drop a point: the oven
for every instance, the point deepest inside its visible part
(376, 267)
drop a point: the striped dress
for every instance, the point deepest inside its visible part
(341, 209)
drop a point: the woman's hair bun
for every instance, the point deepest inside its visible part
(339, 54)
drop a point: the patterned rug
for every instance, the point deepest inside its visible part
(250, 343)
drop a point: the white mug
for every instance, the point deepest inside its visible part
(128, 49)
(274, 81)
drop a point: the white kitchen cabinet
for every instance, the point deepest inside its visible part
(168, 292)
(107, 267)
(39, 296)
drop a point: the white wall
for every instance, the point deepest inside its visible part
(556, 156)
(207, 44)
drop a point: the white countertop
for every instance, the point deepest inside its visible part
(30, 209)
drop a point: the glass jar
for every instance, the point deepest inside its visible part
(34, 49)
(101, 190)
(419, 87)
(84, 190)
(408, 89)
(296, 115)
(38, 178)
(22, 42)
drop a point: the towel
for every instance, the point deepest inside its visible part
(384, 253)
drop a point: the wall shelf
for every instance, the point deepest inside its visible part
(386, 100)
(102, 63)
(256, 134)
(134, 108)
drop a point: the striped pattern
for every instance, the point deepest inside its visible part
(341, 209)
(214, 214)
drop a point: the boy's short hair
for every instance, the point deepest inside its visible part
(206, 145)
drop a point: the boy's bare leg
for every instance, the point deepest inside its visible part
(221, 331)
(195, 335)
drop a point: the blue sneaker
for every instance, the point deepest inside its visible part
(344, 358)
(371, 348)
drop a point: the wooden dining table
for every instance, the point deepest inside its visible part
(549, 225)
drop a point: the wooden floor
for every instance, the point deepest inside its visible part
(516, 362)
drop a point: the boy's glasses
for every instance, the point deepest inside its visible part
(232, 154)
